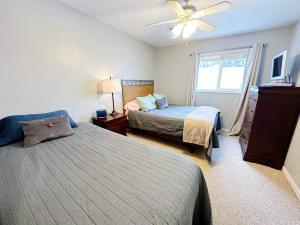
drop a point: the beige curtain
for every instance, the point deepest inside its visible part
(254, 62)
(192, 79)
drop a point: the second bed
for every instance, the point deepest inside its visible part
(166, 123)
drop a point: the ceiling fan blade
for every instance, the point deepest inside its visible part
(212, 9)
(162, 23)
(176, 7)
(204, 26)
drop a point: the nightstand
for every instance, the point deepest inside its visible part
(117, 124)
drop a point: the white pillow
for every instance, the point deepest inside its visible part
(147, 103)
(132, 106)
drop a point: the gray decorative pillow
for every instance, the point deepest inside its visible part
(162, 103)
(37, 131)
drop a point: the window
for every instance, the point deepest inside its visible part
(222, 72)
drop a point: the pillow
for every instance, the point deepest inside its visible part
(132, 106)
(162, 103)
(159, 102)
(11, 131)
(147, 103)
(158, 96)
(37, 131)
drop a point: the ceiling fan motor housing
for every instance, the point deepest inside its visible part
(190, 8)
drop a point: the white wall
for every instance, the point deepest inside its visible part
(51, 57)
(292, 161)
(172, 66)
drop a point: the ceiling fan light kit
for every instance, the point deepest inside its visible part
(189, 29)
(177, 30)
(188, 18)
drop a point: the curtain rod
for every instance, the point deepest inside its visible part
(230, 49)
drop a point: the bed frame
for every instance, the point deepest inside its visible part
(136, 88)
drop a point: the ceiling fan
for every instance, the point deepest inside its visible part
(188, 17)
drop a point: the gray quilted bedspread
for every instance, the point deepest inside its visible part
(170, 121)
(99, 177)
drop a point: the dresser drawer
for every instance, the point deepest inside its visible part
(245, 133)
(252, 104)
(244, 144)
(117, 124)
(249, 117)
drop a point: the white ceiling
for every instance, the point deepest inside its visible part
(132, 16)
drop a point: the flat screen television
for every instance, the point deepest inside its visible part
(279, 66)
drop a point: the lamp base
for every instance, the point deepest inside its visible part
(113, 113)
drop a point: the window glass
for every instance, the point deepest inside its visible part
(232, 75)
(209, 71)
(222, 71)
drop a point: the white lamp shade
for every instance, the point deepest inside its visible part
(110, 86)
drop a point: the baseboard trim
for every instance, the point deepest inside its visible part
(291, 182)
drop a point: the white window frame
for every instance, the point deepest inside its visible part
(221, 55)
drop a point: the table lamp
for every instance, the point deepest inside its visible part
(111, 86)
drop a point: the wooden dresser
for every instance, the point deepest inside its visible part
(271, 117)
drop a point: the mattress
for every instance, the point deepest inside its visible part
(168, 121)
(99, 177)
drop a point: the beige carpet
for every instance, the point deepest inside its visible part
(241, 193)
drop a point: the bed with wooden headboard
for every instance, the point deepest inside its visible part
(166, 123)
(136, 88)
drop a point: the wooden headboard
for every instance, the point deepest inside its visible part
(136, 88)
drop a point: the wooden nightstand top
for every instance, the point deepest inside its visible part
(109, 118)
